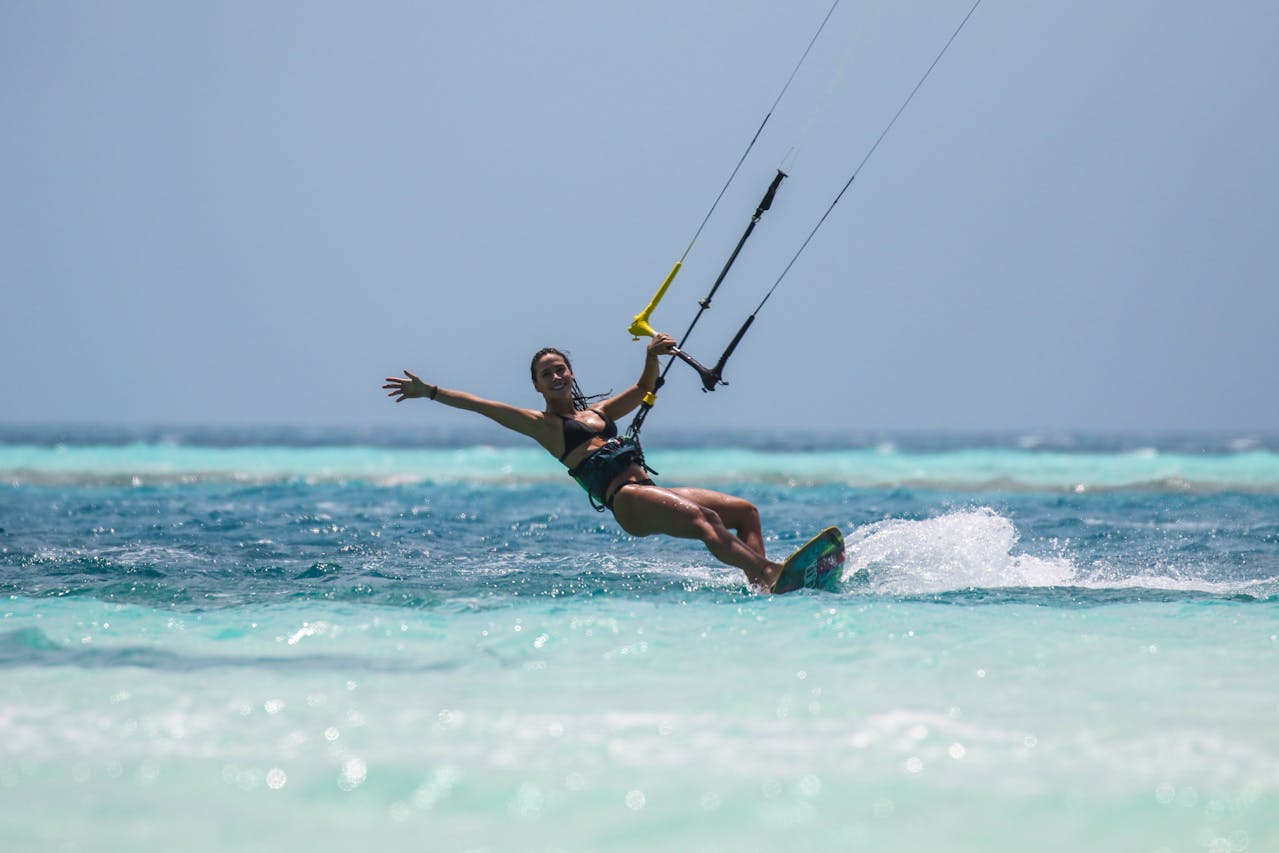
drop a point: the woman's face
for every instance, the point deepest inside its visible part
(552, 376)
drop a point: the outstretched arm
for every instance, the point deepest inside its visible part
(524, 421)
(629, 399)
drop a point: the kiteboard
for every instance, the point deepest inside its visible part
(815, 566)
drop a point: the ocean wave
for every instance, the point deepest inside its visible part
(967, 470)
(964, 557)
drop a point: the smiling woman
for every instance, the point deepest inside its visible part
(612, 469)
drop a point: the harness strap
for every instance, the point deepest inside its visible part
(596, 472)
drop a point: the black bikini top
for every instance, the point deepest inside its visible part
(577, 433)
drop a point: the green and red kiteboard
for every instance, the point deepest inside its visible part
(817, 565)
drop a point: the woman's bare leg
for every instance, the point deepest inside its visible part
(737, 514)
(645, 510)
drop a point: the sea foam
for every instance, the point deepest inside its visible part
(964, 549)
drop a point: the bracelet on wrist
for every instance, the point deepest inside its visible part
(435, 389)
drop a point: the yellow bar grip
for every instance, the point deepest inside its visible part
(640, 326)
(650, 398)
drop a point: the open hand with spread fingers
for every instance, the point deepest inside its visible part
(404, 389)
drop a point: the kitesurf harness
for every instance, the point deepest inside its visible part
(601, 466)
(597, 471)
(713, 377)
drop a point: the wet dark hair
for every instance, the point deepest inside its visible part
(580, 400)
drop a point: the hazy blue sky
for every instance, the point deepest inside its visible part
(242, 213)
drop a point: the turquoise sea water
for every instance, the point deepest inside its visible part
(310, 640)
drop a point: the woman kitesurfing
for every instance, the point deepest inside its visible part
(612, 470)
